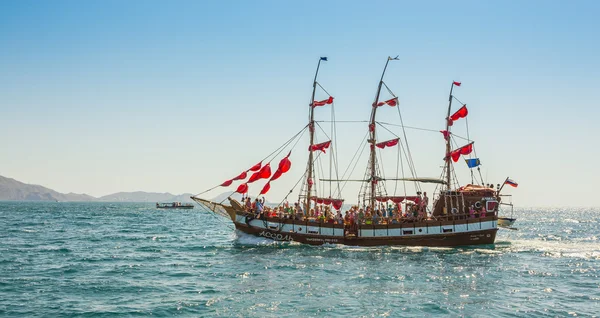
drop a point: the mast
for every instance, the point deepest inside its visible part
(372, 140)
(448, 139)
(311, 129)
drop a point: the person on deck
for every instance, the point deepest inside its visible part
(425, 202)
(300, 208)
(375, 217)
(339, 218)
(361, 216)
(260, 204)
(248, 206)
(471, 212)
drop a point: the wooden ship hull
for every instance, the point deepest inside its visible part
(460, 215)
(446, 232)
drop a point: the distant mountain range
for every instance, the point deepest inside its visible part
(13, 190)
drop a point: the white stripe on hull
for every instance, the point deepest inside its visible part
(315, 229)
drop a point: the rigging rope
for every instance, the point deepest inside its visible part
(335, 153)
(295, 185)
(326, 92)
(342, 121)
(276, 150)
(356, 163)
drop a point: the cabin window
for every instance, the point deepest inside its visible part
(447, 230)
(407, 232)
(491, 206)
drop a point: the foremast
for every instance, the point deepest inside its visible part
(373, 140)
(311, 129)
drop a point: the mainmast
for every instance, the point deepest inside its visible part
(448, 149)
(311, 129)
(373, 179)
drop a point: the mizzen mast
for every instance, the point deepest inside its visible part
(448, 146)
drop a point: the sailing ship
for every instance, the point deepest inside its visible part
(459, 215)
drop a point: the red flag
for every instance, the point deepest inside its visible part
(371, 127)
(464, 150)
(227, 183)
(445, 133)
(255, 176)
(285, 164)
(266, 188)
(256, 167)
(460, 113)
(322, 146)
(265, 172)
(389, 143)
(276, 175)
(392, 102)
(455, 155)
(242, 188)
(456, 83)
(242, 176)
(323, 102)
(337, 204)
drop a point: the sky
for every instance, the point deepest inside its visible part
(99, 97)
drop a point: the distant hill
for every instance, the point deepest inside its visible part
(13, 190)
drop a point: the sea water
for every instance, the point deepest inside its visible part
(124, 259)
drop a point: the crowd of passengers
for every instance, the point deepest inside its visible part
(382, 214)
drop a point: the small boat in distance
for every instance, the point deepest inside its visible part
(174, 205)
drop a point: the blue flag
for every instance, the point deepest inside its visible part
(472, 163)
(324, 58)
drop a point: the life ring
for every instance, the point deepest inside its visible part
(454, 211)
(478, 204)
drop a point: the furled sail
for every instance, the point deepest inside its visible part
(388, 143)
(337, 203)
(322, 146)
(391, 102)
(323, 102)
(398, 199)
